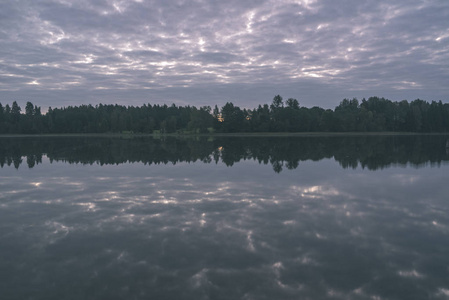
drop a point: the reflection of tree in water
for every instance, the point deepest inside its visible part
(371, 152)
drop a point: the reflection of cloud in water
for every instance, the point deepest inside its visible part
(316, 191)
(440, 227)
(443, 292)
(165, 201)
(89, 206)
(200, 279)
(405, 179)
(412, 274)
(203, 220)
(56, 231)
(259, 235)
(305, 260)
(249, 238)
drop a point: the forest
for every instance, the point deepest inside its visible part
(351, 115)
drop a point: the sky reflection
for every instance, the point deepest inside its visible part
(210, 231)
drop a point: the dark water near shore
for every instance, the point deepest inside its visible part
(226, 218)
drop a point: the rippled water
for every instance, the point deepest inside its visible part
(287, 223)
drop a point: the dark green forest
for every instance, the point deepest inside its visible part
(351, 115)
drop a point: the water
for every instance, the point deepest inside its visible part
(224, 218)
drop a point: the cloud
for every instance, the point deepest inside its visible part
(316, 51)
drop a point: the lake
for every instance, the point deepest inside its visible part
(311, 217)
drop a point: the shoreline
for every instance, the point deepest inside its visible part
(234, 134)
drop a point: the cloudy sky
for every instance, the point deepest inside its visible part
(206, 52)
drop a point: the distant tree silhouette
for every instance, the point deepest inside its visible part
(351, 115)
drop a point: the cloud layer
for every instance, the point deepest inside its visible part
(59, 52)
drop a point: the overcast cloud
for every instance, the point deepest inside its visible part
(60, 52)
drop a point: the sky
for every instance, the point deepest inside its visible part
(208, 52)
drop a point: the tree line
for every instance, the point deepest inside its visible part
(351, 115)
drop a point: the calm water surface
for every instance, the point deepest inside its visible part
(224, 218)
